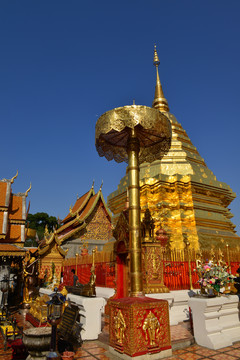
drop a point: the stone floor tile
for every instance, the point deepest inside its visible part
(228, 348)
(102, 357)
(205, 352)
(89, 345)
(81, 352)
(236, 345)
(194, 348)
(180, 351)
(190, 356)
(222, 356)
(234, 352)
(97, 350)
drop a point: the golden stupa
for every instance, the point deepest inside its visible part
(182, 194)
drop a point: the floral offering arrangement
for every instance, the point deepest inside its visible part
(213, 277)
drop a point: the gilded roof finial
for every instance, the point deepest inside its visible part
(13, 178)
(26, 193)
(159, 102)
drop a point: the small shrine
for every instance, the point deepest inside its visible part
(51, 256)
(152, 248)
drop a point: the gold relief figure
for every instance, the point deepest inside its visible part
(151, 328)
(119, 326)
(92, 277)
(29, 278)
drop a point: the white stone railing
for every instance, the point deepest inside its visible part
(216, 321)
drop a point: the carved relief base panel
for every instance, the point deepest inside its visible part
(139, 325)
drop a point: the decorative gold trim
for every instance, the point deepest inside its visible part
(14, 177)
(26, 193)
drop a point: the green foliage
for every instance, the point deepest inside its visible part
(30, 243)
(39, 221)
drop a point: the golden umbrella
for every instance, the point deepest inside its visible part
(134, 134)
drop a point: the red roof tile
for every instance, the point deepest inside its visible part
(14, 233)
(3, 190)
(88, 207)
(77, 205)
(9, 247)
(15, 211)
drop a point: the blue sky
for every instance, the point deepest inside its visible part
(64, 63)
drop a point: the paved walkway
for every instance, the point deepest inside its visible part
(181, 342)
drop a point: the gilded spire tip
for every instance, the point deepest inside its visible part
(156, 61)
(159, 102)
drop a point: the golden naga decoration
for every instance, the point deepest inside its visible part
(151, 328)
(26, 193)
(14, 177)
(70, 211)
(46, 232)
(119, 326)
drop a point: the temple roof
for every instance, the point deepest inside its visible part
(13, 212)
(74, 222)
(80, 212)
(11, 250)
(79, 204)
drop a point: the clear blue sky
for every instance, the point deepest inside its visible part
(64, 63)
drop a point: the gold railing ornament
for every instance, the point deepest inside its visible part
(228, 259)
(134, 134)
(76, 255)
(187, 243)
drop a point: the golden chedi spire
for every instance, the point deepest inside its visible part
(159, 102)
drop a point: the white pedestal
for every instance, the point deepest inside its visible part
(178, 305)
(91, 310)
(215, 321)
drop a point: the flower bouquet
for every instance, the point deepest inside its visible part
(213, 278)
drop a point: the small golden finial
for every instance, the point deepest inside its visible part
(101, 186)
(13, 178)
(26, 193)
(156, 61)
(159, 102)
